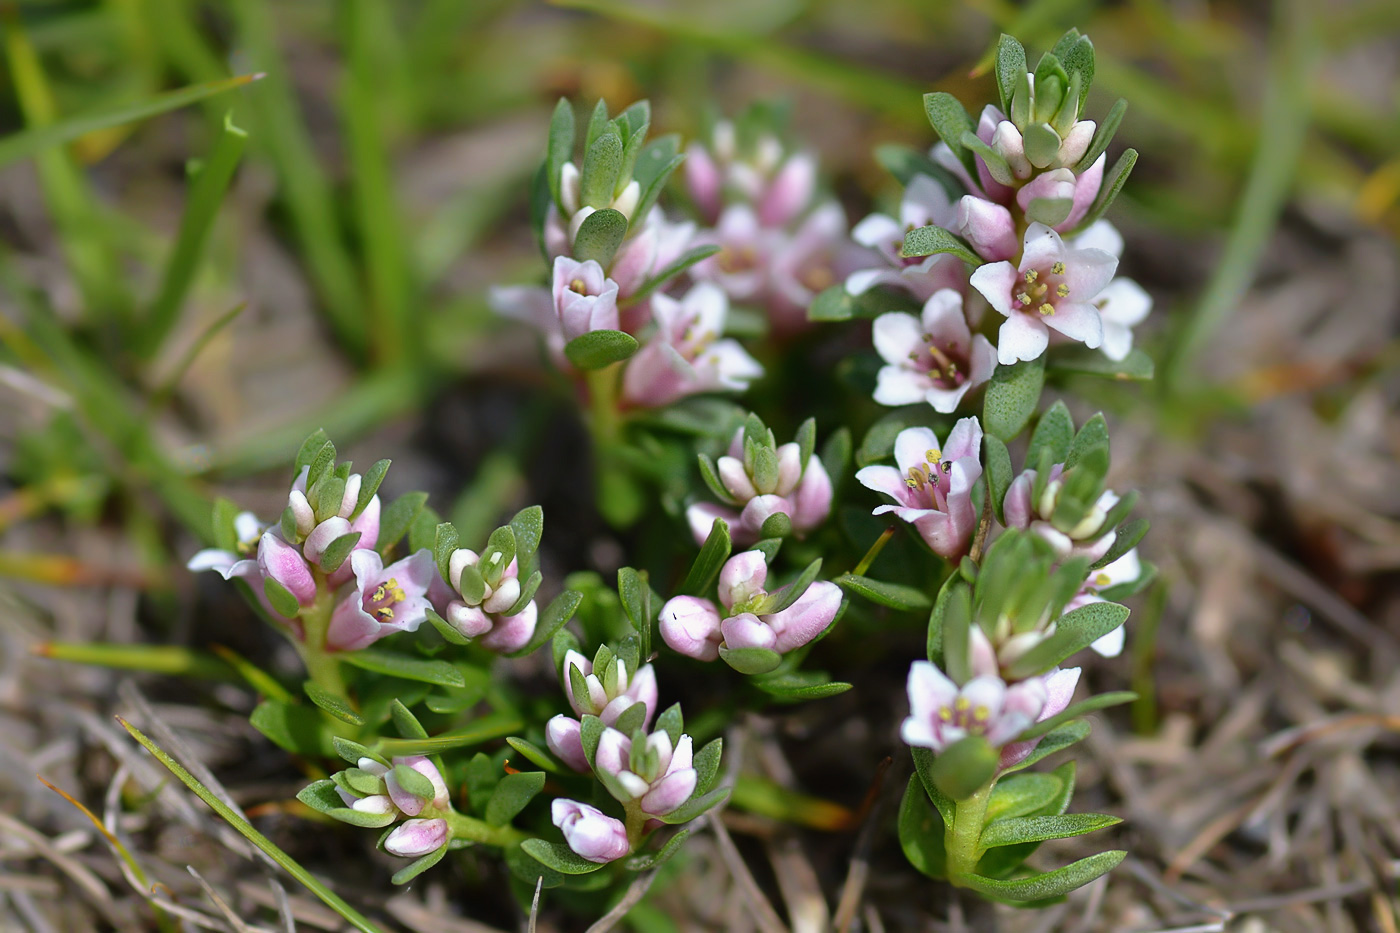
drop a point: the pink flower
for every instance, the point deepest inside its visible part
(653, 776)
(240, 563)
(385, 600)
(789, 191)
(392, 798)
(685, 355)
(932, 486)
(1054, 287)
(1079, 189)
(585, 299)
(416, 838)
(283, 562)
(1087, 538)
(941, 712)
(925, 203)
(988, 122)
(740, 267)
(483, 617)
(988, 226)
(935, 359)
(590, 832)
(1057, 687)
(820, 254)
(1123, 304)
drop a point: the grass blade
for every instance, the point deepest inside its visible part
(288, 864)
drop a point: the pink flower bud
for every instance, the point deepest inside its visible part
(746, 631)
(411, 804)
(302, 511)
(321, 537)
(988, 227)
(511, 633)
(742, 578)
(789, 468)
(690, 625)
(283, 562)
(735, 479)
(703, 181)
(789, 192)
(812, 498)
(1007, 142)
(806, 618)
(416, 838)
(1056, 689)
(1076, 143)
(590, 832)
(562, 736)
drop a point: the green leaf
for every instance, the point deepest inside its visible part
(332, 704)
(1060, 739)
(1103, 135)
(670, 722)
(634, 589)
(997, 461)
(648, 861)
(1022, 795)
(397, 517)
(893, 595)
(298, 729)
(1010, 68)
(369, 485)
(354, 751)
(471, 584)
(602, 162)
(321, 465)
(801, 686)
(534, 753)
(408, 725)
(558, 857)
(751, 660)
(713, 553)
(1049, 211)
(415, 782)
(688, 258)
(1024, 829)
(1093, 435)
(446, 629)
(832, 304)
(777, 525)
(1054, 432)
(695, 806)
(1077, 56)
(1074, 711)
(706, 764)
(1074, 631)
(599, 236)
(309, 447)
(599, 348)
(1051, 884)
(925, 241)
(512, 795)
(921, 830)
(528, 526)
(225, 535)
(992, 160)
(1121, 591)
(444, 543)
(527, 593)
(418, 866)
(484, 729)
(923, 766)
(551, 619)
(950, 121)
(1012, 397)
(408, 668)
(782, 598)
(281, 598)
(201, 209)
(338, 550)
(561, 146)
(1126, 538)
(497, 555)
(23, 144)
(1137, 366)
(965, 767)
(1113, 183)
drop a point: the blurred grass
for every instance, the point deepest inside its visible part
(397, 258)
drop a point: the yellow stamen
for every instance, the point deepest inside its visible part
(1062, 290)
(981, 714)
(962, 704)
(1046, 309)
(1058, 268)
(577, 285)
(1032, 275)
(933, 455)
(1102, 580)
(945, 714)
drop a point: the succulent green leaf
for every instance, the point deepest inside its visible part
(1049, 211)
(997, 460)
(397, 517)
(965, 767)
(1022, 795)
(705, 570)
(426, 670)
(1126, 538)
(1075, 710)
(281, 598)
(599, 348)
(1010, 68)
(1113, 182)
(334, 705)
(513, 793)
(894, 595)
(558, 857)
(950, 120)
(751, 660)
(925, 241)
(1103, 135)
(921, 831)
(418, 866)
(1050, 884)
(1012, 397)
(551, 619)
(560, 148)
(599, 236)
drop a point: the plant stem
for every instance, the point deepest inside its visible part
(321, 665)
(602, 405)
(874, 552)
(467, 827)
(963, 837)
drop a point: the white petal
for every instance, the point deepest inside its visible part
(1021, 338)
(897, 385)
(896, 335)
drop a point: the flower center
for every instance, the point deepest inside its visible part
(1041, 290)
(578, 285)
(942, 368)
(385, 597)
(921, 475)
(737, 259)
(817, 275)
(963, 715)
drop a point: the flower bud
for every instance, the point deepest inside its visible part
(590, 832)
(283, 562)
(416, 838)
(690, 625)
(563, 737)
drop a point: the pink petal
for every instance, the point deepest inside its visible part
(807, 618)
(746, 631)
(690, 626)
(416, 838)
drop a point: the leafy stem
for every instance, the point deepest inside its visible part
(964, 834)
(470, 828)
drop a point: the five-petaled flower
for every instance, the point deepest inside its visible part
(933, 358)
(385, 600)
(686, 354)
(1054, 287)
(932, 485)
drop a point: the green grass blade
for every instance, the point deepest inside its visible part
(37, 139)
(278, 126)
(372, 188)
(236, 820)
(206, 195)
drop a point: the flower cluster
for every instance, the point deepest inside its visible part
(613, 253)
(1018, 200)
(380, 793)
(767, 490)
(779, 243)
(605, 688)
